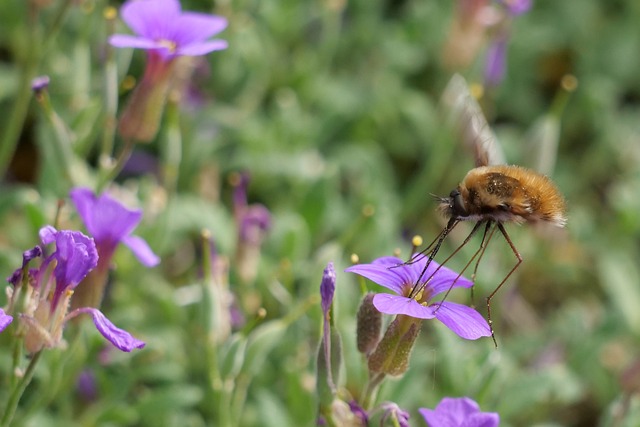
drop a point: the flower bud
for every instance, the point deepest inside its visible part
(391, 356)
(369, 324)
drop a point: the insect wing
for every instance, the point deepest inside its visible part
(464, 113)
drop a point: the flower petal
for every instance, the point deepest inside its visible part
(202, 48)
(135, 42)
(141, 250)
(395, 304)
(443, 278)
(105, 218)
(193, 27)
(151, 18)
(484, 419)
(459, 412)
(463, 320)
(120, 338)
(47, 234)
(5, 320)
(379, 274)
(435, 419)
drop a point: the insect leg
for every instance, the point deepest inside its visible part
(466, 240)
(483, 246)
(495, 291)
(450, 226)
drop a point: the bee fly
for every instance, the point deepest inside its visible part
(490, 194)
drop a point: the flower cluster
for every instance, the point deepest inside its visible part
(42, 296)
(48, 289)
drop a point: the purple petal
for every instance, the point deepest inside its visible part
(327, 287)
(76, 256)
(47, 234)
(442, 280)
(395, 304)
(463, 320)
(495, 62)
(120, 338)
(135, 42)
(106, 219)
(5, 320)
(484, 419)
(381, 275)
(459, 412)
(435, 419)
(202, 48)
(151, 18)
(141, 250)
(193, 27)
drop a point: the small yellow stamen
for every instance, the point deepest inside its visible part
(416, 241)
(355, 259)
(172, 46)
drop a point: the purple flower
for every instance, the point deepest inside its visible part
(516, 7)
(393, 412)
(5, 320)
(74, 257)
(252, 222)
(40, 83)
(110, 223)
(459, 412)
(162, 27)
(496, 59)
(394, 274)
(327, 288)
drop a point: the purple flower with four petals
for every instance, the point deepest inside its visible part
(161, 26)
(459, 412)
(394, 274)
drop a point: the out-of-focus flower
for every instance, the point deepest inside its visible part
(166, 33)
(162, 27)
(109, 223)
(467, 33)
(400, 277)
(459, 412)
(495, 60)
(45, 313)
(5, 320)
(86, 386)
(393, 412)
(496, 56)
(40, 83)
(252, 221)
(516, 7)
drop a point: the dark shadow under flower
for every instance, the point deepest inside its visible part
(394, 274)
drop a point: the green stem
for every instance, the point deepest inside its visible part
(370, 391)
(18, 391)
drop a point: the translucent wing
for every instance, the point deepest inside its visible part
(464, 113)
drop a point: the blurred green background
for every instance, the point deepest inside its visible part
(332, 107)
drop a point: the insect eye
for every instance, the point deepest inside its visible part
(458, 203)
